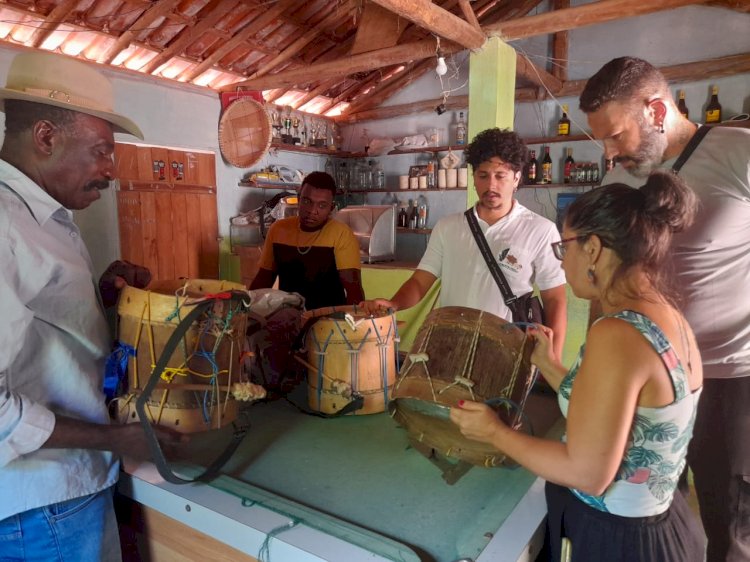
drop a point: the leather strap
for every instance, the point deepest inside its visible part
(692, 144)
(509, 298)
(241, 424)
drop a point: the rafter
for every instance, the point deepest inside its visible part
(218, 10)
(356, 63)
(536, 75)
(469, 14)
(378, 28)
(58, 15)
(301, 42)
(387, 88)
(436, 20)
(243, 35)
(580, 16)
(321, 88)
(560, 41)
(157, 11)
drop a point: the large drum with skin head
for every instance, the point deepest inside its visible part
(462, 354)
(194, 393)
(349, 356)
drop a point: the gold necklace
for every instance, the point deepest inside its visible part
(307, 249)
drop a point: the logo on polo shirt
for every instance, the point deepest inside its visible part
(509, 261)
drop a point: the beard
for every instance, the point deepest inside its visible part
(649, 153)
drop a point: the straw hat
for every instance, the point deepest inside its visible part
(63, 82)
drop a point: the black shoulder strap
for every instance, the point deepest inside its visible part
(484, 248)
(692, 144)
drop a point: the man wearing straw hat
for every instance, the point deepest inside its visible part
(58, 456)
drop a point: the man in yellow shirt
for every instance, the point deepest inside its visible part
(312, 254)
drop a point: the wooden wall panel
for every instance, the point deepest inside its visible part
(193, 235)
(179, 235)
(209, 230)
(148, 233)
(126, 161)
(129, 215)
(164, 247)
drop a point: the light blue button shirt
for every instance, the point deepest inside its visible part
(53, 344)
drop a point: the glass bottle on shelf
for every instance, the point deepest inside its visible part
(413, 215)
(422, 211)
(563, 125)
(330, 169)
(594, 172)
(546, 166)
(713, 109)
(681, 106)
(377, 174)
(403, 216)
(431, 173)
(568, 166)
(461, 129)
(531, 169)
(343, 177)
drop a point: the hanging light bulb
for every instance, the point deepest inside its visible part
(441, 67)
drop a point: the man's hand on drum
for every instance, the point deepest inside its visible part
(377, 307)
(131, 441)
(477, 421)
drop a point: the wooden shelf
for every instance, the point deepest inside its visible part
(546, 185)
(401, 190)
(427, 149)
(269, 185)
(413, 230)
(316, 150)
(550, 140)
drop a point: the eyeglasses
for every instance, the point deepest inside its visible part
(558, 248)
(320, 205)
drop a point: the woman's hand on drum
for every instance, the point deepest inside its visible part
(477, 421)
(543, 353)
(377, 307)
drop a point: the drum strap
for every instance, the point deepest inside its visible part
(241, 424)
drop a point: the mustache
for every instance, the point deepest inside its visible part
(96, 184)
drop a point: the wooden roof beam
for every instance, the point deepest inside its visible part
(321, 88)
(469, 14)
(386, 88)
(218, 10)
(736, 5)
(436, 20)
(158, 10)
(536, 75)
(244, 34)
(580, 16)
(346, 93)
(301, 42)
(560, 43)
(405, 52)
(58, 15)
(378, 28)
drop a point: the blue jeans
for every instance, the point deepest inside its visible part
(78, 530)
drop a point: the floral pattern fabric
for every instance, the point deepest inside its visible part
(656, 449)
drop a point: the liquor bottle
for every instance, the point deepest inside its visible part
(563, 125)
(422, 211)
(531, 169)
(461, 129)
(595, 173)
(681, 107)
(414, 215)
(568, 167)
(431, 174)
(713, 109)
(546, 166)
(403, 216)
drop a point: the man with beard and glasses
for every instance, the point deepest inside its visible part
(629, 107)
(58, 454)
(519, 239)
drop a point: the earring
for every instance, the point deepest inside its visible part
(591, 275)
(661, 127)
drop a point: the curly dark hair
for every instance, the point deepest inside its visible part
(637, 224)
(20, 116)
(624, 79)
(503, 143)
(320, 180)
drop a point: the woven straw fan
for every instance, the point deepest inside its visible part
(244, 133)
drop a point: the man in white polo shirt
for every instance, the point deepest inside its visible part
(519, 240)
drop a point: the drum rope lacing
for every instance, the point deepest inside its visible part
(383, 352)
(212, 325)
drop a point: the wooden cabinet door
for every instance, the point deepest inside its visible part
(126, 162)
(200, 169)
(173, 234)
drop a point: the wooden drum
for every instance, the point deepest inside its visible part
(194, 393)
(461, 354)
(349, 357)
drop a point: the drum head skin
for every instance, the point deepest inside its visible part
(244, 133)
